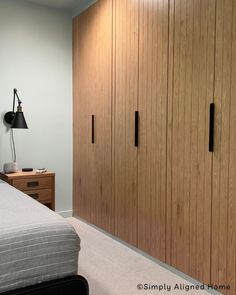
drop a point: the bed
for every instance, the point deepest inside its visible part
(38, 248)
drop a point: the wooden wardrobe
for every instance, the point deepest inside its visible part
(155, 129)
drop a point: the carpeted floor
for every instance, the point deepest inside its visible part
(112, 268)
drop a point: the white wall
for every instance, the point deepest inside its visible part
(36, 58)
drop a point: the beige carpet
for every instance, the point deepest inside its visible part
(112, 268)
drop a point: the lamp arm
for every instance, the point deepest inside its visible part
(14, 99)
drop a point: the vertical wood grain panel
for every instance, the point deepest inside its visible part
(231, 216)
(187, 92)
(224, 161)
(81, 204)
(92, 85)
(100, 96)
(152, 101)
(125, 69)
(171, 31)
(208, 161)
(189, 168)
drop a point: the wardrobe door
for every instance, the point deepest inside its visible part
(224, 156)
(125, 69)
(191, 74)
(81, 203)
(152, 103)
(100, 96)
(95, 66)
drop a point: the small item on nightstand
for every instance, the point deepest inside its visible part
(27, 169)
(41, 170)
(10, 167)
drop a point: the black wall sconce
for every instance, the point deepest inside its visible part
(16, 119)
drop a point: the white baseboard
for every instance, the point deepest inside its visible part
(65, 214)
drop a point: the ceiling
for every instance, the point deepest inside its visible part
(72, 6)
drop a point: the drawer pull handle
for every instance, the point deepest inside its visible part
(211, 127)
(34, 196)
(93, 123)
(136, 128)
(32, 184)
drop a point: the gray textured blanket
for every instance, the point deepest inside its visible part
(36, 244)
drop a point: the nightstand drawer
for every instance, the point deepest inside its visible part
(43, 195)
(25, 184)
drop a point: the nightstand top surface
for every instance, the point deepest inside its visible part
(21, 174)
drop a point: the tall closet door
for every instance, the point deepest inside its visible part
(191, 74)
(125, 84)
(94, 83)
(224, 157)
(81, 128)
(152, 105)
(99, 64)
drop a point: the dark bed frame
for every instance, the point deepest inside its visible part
(77, 285)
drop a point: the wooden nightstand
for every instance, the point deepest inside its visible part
(40, 187)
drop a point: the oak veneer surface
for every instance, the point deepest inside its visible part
(24, 184)
(81, 202)
(100, 98)
(152, 105)
(92, 93)
(125, 94)
(20, 174)
(191, 72)
(42, 195)
(224, 156)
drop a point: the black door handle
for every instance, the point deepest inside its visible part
(93, 138)
(211, 127)
(136, 128)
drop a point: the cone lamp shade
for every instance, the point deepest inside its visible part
(19, 120)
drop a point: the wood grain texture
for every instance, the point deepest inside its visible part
(81, 203)
(42, 195)
(224, 161)
(190, 92)
(152, 105)
(171, 42)
(20, 174)
(30, 183)
(92, 94)
(125, 74)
